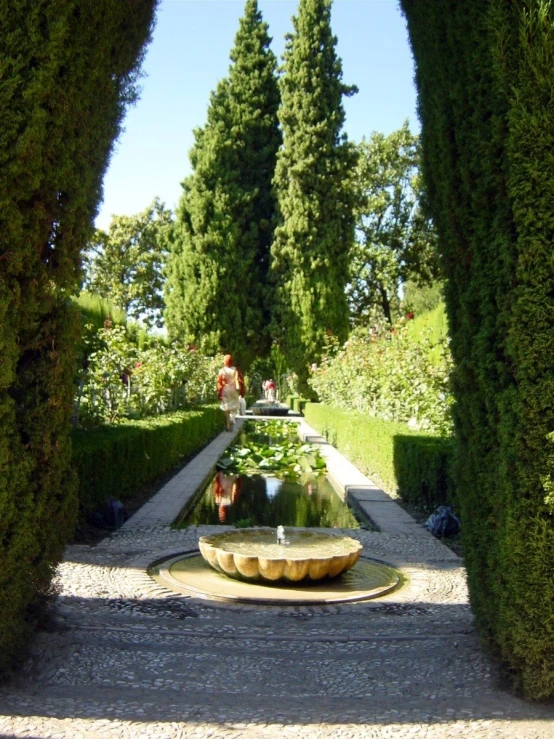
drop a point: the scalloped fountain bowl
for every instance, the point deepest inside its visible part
(254, 555)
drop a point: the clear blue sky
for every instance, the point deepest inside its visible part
(190, 53)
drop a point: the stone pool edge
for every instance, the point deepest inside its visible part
(164, 507)
(361, 493)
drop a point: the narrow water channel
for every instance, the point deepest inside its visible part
(257, 500)
(268, 498)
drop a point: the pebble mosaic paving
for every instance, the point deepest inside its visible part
(126, 658)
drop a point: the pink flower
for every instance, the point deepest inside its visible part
(138, 364)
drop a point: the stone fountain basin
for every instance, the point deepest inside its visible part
(265, 408)
(254, 555)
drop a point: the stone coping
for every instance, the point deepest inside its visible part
(371, 502)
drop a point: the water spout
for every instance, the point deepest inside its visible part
(281, 535)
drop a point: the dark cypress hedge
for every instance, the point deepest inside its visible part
(217, 292)
(485, 74)
(67, 73)
(417, 466)
(312, 244)
(115, 461)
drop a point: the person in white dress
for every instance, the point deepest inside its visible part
(230, 388)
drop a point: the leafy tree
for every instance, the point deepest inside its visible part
(419, 298)
(216, 291)
(395, 241)
(69, 70)
(485, 75)
(310, 253)
(127, 263)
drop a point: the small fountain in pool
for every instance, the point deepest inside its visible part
(257, 555)
(268, 566)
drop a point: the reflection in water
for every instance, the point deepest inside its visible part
(226, 491)
(268, 501)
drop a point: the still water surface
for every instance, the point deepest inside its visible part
(257, 500)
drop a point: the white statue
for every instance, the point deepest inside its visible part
(280, 535)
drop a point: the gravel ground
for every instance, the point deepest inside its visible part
(126, 658)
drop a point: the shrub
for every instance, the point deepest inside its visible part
(389, 374)
(415, 465)
(68, 73)
(95, 310)
(423, 470)
(119, 380)
(113, 461)
(485, 74)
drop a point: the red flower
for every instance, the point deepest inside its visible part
(409, 315)
(192, 348)
(329, 332)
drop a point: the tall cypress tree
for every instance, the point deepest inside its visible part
(310, 253)
(216, 295)
(485, 74)
(68, 72)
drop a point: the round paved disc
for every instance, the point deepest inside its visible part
(189, 574)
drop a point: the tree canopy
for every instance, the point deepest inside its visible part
(216, 292)
(310, 253)
(395, 241)
(126, 264)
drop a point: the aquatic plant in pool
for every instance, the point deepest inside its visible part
(270, 447)
(270, 478)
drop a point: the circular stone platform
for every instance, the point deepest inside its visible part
(190, 575)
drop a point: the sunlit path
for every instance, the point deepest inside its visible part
(124, 657)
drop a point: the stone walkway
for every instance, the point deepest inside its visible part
(127, 658)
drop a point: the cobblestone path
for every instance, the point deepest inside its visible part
(125, 658)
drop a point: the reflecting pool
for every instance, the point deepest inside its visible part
(259, 500)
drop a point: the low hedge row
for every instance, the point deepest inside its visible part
(297, 403)
(414, 464)
(116, 460)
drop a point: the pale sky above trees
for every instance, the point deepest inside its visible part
(190, 53)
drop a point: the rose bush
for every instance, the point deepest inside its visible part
(119, 380)
(384, 372)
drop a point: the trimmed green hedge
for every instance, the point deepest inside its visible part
(485, 75)
(423, 469)
(417, 466)
(297, 403)
(116, 460)
(69, 71)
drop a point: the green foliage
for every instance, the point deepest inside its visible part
(217, 278)
(310, 253)
(416, 466)
(422, 298)
(119, 379)
(431, 329)
(389, 375)
(423, 470)
(95, 310)
(68, 72)
(126, 264)
(114, 461)
(485, 74)
(280, 455)
(395, 241)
